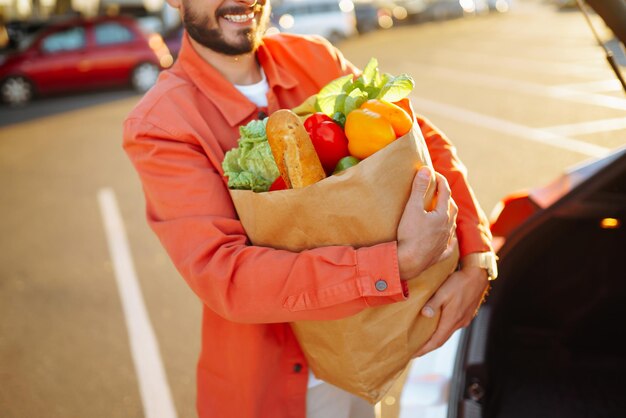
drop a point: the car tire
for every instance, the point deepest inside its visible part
(17, 90)
(335, 37)
(144, 76)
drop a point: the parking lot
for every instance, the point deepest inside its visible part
(523, 95)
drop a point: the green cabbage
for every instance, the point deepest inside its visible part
(251, 165)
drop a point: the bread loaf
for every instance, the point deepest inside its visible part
(293, 150)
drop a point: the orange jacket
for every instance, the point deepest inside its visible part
(251, 364)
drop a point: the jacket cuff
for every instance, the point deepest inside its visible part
(379, 275)
(473, 238)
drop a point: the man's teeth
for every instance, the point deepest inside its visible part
(239, 18)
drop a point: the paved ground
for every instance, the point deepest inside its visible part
(523, 96)
(56, 105)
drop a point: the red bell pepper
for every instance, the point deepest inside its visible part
(329, 140)
(315, 119)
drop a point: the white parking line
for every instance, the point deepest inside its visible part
(524, 87)
(536, 66)
(507, 127)
(153, 386)
(590, 127)
(600, 86)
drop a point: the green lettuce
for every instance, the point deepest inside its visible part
(251, 165)
(343, 95)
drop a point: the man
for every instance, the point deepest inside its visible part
(251, 364)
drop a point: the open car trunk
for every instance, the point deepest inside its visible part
(558, 345)
(550, 341)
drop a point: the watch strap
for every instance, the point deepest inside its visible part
(485, 260)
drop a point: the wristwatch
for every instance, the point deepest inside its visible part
(487, 260)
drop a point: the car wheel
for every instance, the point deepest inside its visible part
(16, 91)
(144, 76)
(335, 36)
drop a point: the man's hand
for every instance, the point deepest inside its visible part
(424, 237)
(458, 298)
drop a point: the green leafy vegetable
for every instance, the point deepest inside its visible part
(396, 88)
(370, 72)
(251, 165)
(343, 95)
(354, 100)
(330, 94)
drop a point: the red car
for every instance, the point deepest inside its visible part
(83, 54)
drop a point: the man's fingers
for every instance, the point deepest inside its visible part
(433, 305)
(444, 329)
(443, 194)
(454, 210)
(449, 249)
(452, 216)
(420, 186)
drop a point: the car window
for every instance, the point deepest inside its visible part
(112, 33)
(150, 24)
(308, 8)
(67, 40)
(324, 8)
(24, 43)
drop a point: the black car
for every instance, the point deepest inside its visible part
(366, 17)
(548, 341)
(18, 31)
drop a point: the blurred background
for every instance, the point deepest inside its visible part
(94, 320)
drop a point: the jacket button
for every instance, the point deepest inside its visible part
(297, 367)
(381, 285)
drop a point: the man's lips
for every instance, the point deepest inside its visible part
(238, 18)
(240, 14)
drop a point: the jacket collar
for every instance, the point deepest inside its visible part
(233, 105)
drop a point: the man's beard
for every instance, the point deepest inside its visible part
(248, 39)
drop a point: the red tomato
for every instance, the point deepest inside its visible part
(279, 184)
(330, 143)
(315, 119)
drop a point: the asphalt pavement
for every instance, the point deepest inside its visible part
(56, 105)
(94, 319)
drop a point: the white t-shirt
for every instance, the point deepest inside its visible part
(257, 94)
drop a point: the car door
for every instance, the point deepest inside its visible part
(116, 50)
(58, 65)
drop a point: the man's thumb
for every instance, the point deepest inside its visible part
(421, 183)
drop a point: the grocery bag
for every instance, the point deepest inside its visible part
(365, 353)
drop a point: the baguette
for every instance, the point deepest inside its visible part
(293, 150)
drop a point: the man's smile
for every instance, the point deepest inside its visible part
(239, 18)
(230, 29)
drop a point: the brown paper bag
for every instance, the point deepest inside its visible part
(364, 353)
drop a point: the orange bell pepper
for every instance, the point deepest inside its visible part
(367, 132)
(399, 119)
(407, 106)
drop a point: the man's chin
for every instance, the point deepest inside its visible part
(246, 39)
(226, 38)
